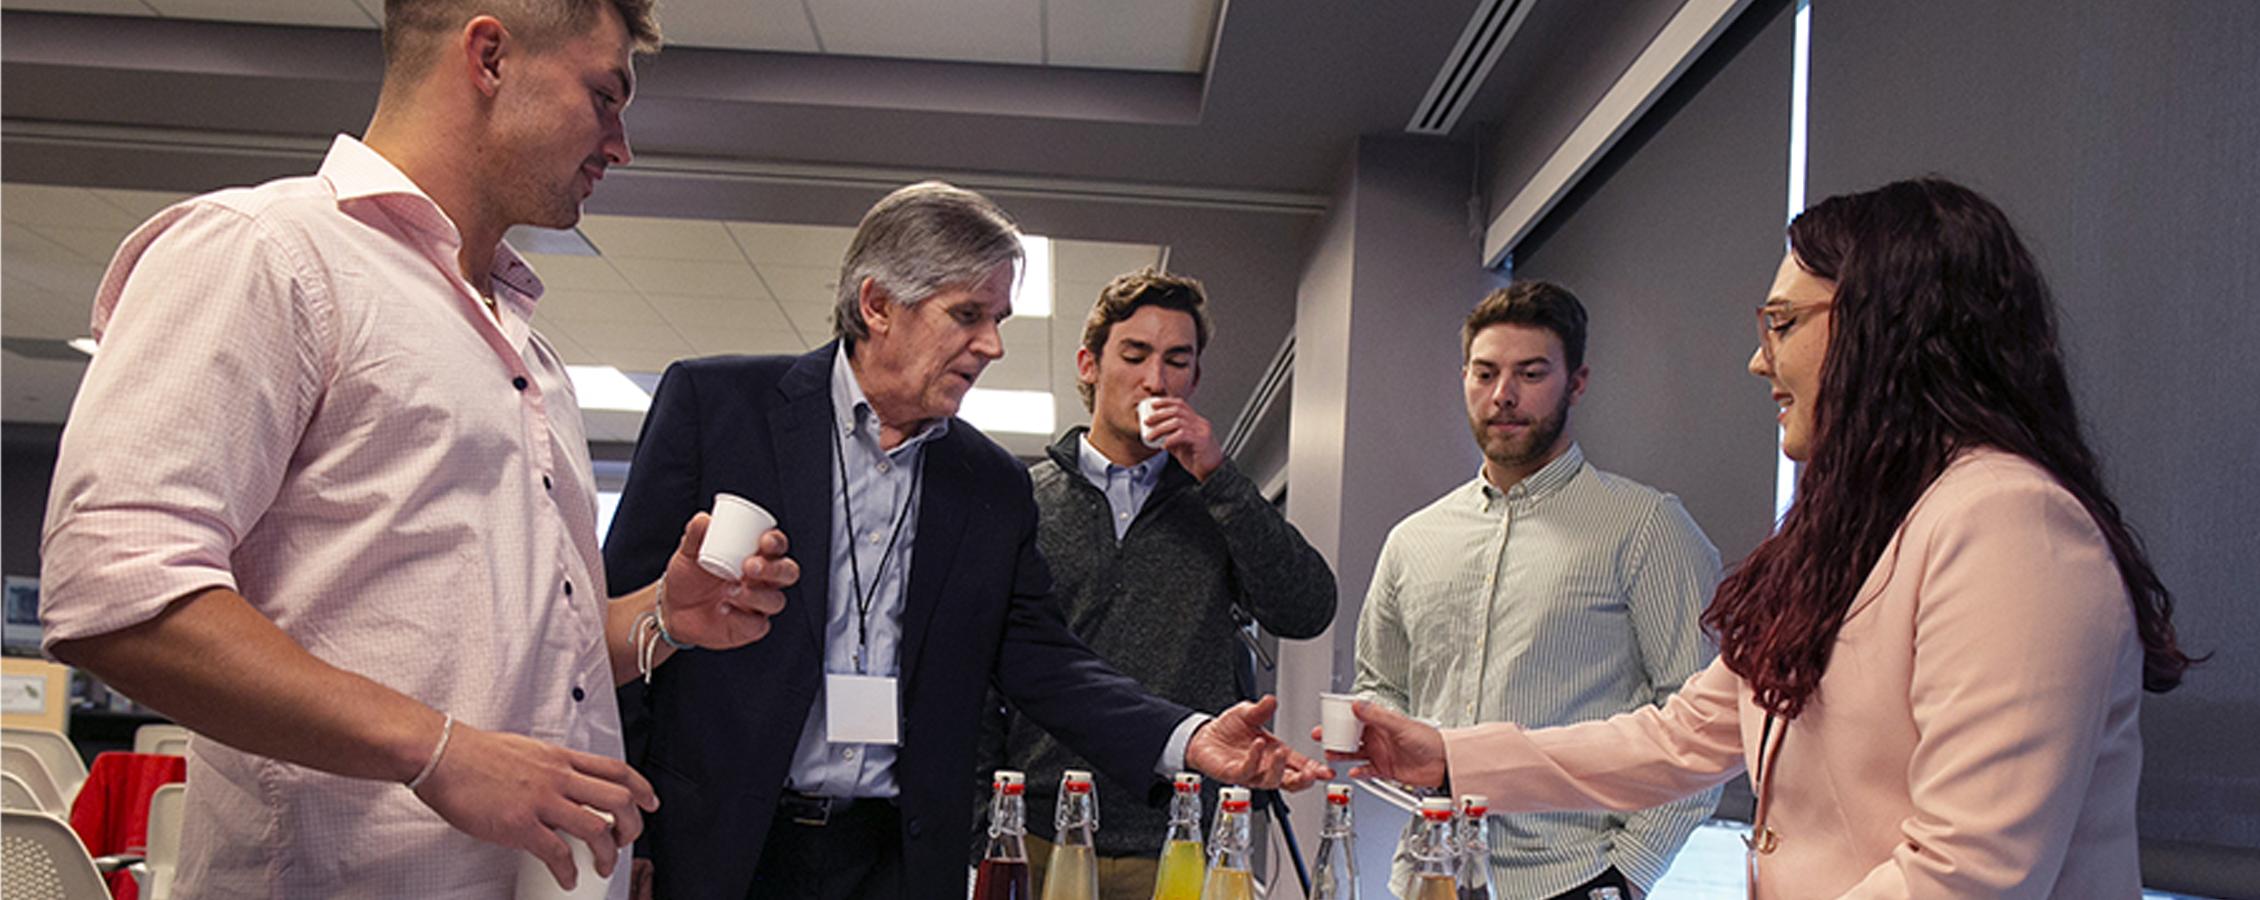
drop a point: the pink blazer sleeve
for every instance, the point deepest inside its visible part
(2023, 650)
(1630, 761)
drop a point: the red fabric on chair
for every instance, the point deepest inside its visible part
(111, 813)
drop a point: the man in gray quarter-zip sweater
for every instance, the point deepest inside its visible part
(1152, 540)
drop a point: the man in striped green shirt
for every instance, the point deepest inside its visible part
(1542, 592)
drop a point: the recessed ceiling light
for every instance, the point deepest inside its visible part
(1035, 300)
(604, 387)
(1008, 412)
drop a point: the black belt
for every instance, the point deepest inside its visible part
(818, 810)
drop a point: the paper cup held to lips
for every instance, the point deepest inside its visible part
(736, 528)
(1338, 723)
(1145, 423)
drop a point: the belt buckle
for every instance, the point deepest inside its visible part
(809, 810)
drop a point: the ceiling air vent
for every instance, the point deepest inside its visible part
(1488, 31)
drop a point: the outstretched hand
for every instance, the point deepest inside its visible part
(1234, 748)
(1395, 746)
(719, 614)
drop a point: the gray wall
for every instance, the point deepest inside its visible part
(1670, 242)
(2123, 139)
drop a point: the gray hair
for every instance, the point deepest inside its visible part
(918, 241)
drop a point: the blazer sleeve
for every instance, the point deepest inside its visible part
(1048, 674)
(1629, 761)
(2023, 644)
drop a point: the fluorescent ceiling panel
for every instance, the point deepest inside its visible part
(1009, 412)
(603, 387)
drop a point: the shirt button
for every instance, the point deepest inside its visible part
(518, 382)
(546, 484)
(568, 589)
(847, 753)
(579, 695)
(885, 467)
(874, 537)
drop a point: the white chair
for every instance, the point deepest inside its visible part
(42, 859)
(15, 794)
(166, 809)
(61, 756)
(17, 760)
(168, 740)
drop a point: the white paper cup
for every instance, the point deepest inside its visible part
(1338, 723)
(737, 526)
(536, 883)
(1145, 423)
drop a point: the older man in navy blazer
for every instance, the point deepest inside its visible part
(781, 769)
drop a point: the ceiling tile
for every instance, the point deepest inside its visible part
(321, 13)
(576, 273)
(616, 336)
(761, 342)
(139, 205)
(819, 246)
(42, 204)
(738, 25)
(23, 243)
(643, 237)
(706, 279)
(691, 314)
(802, 286)
(813, 323)
(655, 359)
(1071, 304)
(74, 280)
(1098, 262)
(1006, 31)
(1153, 35)
(593, 306)
(93, 245)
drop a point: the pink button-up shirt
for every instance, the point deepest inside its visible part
(300, 398)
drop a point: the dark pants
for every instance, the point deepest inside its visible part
(1609, 877)
(855, 854)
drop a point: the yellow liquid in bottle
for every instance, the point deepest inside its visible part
(1238, 884)
(1182, 865)
(1436, 887)
(1072, 875)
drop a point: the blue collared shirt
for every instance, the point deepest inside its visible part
(878, 490)
(1126, 487)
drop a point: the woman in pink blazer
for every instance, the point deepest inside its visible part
(1934, 668)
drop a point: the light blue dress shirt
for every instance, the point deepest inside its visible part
(1126, 487)
(877, 489)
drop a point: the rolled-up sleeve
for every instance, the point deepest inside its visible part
(210, 364)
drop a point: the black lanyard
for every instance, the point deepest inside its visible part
(864, 598)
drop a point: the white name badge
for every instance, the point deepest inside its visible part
(860, 709)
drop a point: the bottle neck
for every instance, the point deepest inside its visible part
(1432, 848)
(1338, 821)
(1008, 828)
(1077, 817)
(1185, 817)
(1228, 847)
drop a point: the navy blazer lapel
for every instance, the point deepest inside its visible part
(800, 430)
(948, 494)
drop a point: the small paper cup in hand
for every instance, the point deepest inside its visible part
(536, 883)
(736, 528)
(1145, 423)
(1338, 723)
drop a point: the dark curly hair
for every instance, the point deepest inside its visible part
(1944, 340)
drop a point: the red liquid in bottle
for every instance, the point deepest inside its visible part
(1000, 879)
